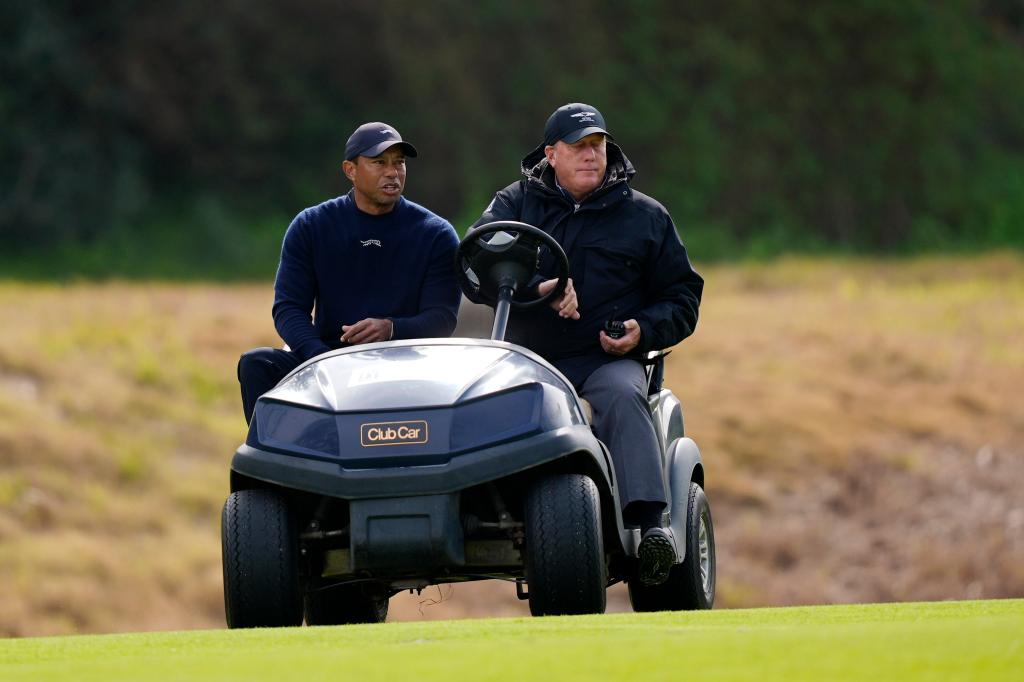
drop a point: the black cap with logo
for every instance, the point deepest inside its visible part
(371, 139)
(573, 121)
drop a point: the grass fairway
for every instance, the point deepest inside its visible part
(979, 640)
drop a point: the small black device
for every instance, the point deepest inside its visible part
(615, 329)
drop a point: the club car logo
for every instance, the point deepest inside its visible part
(393, 433)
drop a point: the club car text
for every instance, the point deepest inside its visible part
(393, 433)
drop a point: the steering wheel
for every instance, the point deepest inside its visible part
(507, 253)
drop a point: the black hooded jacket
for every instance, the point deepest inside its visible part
(625, 259)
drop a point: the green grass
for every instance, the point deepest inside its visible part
(979, 640)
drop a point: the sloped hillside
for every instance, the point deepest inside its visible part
(861, 424)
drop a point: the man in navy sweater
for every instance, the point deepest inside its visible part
(373, 265)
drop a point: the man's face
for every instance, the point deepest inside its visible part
(579, 166)
(378, 181)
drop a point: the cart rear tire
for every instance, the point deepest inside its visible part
(345, 604)
(260, 547)
(565, 563)
(691, 584)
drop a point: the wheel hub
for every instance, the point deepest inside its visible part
(705, 556)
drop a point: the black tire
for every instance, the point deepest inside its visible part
(565, 565)
(344, 604)
(260, 547)
(686, 589)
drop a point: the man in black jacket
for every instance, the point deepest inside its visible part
(627, 264)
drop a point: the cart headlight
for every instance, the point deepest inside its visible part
(290, 427)
(493, 419)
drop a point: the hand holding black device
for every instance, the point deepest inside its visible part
(615, 329)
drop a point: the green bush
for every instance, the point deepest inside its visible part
(860, 126)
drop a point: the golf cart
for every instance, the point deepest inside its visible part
(390, 466)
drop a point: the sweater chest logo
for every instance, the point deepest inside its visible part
(370, 242)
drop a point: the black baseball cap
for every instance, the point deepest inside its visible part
(371, 139)
(573, 121)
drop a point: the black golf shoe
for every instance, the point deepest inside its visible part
(656, 554)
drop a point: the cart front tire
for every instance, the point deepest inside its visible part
(260, 547)
(565, 563)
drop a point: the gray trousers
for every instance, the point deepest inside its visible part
(622, 420)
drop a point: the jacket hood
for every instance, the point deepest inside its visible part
(536, 168)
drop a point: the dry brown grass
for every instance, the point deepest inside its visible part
(861, 424)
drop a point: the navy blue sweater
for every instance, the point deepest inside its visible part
(353, 265)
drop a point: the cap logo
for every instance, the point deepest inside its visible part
(384, 131)
(585, 116)
(370, 242)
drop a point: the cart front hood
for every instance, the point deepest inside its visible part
(411, 375)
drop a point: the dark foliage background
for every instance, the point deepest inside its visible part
(177, 139)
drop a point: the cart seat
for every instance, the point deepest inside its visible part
(588, 411)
